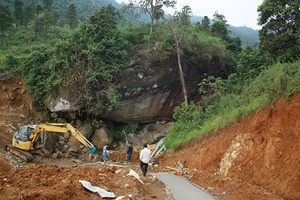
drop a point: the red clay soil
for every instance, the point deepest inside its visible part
(61, 181)
(15, 107)
(253, 158)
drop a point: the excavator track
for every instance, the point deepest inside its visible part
(27, 157)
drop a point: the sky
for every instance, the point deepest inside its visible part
(236, 12)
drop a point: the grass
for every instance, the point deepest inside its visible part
(277, 81)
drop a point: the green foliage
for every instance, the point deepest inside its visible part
(96, 124)
(48, 4)
(219, 18)
(233, 45)
(150, 127)
(248, 36)
(28, 13)
(205, 24)
(203, 46)
(153, 8)
(131, 128)
(18, 11)
(195, 44)
(212, 90)
(71, 16)
(92, 60)
(273, 82)
(251, 63)
(119, 131)
(11, 63)
(135, 34)
(279, 34)
(184, 16)
(83, 8)
(5, 20)
(219, 29)
(164, 39)
(187, 118)
(39, 75)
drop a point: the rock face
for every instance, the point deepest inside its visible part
(149, 135)
(151, 86)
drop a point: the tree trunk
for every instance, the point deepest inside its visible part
(151, 25)
(177, 42)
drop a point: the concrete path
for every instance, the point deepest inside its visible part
(182, 189)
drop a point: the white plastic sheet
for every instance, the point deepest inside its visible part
(133, 173)
(103, 193)
(121, 197)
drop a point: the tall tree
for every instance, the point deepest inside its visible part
(39, 26)
(280, 23)
(5, 20)
(71, 16)
(38, 10)
(219, 17)
(233, 45)
(219, 29)
(18, 12)
(154, 8)
(177, 40)
(251, 62)
(55, 17)
(48, 4)
(205, 23)
(184, 16)
(28, 12)
(48, 21)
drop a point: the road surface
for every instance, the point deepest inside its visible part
(182, 189)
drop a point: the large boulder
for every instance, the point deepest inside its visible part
(100, 138)
(151, 87)
(73, 143)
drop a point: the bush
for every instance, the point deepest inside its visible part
(272, 83)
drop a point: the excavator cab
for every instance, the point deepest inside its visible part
(24, 133)
(26, 140)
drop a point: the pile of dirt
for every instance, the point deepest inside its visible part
(15, 107)
(61, 181)
(254, 157)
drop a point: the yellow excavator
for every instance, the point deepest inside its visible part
(31, 139)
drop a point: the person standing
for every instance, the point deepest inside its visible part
(145, 157)
(92, 154)
(105, 153)
(129, 152)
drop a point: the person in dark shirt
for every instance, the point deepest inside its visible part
(129, 152)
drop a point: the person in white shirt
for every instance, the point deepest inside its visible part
(145, 157)
(105, 154)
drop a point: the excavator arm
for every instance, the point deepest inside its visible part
(64, 128)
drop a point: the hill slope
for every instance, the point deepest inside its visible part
(255, 157)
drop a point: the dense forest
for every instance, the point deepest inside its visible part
(66, 42)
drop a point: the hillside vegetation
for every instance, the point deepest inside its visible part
(279, 80)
